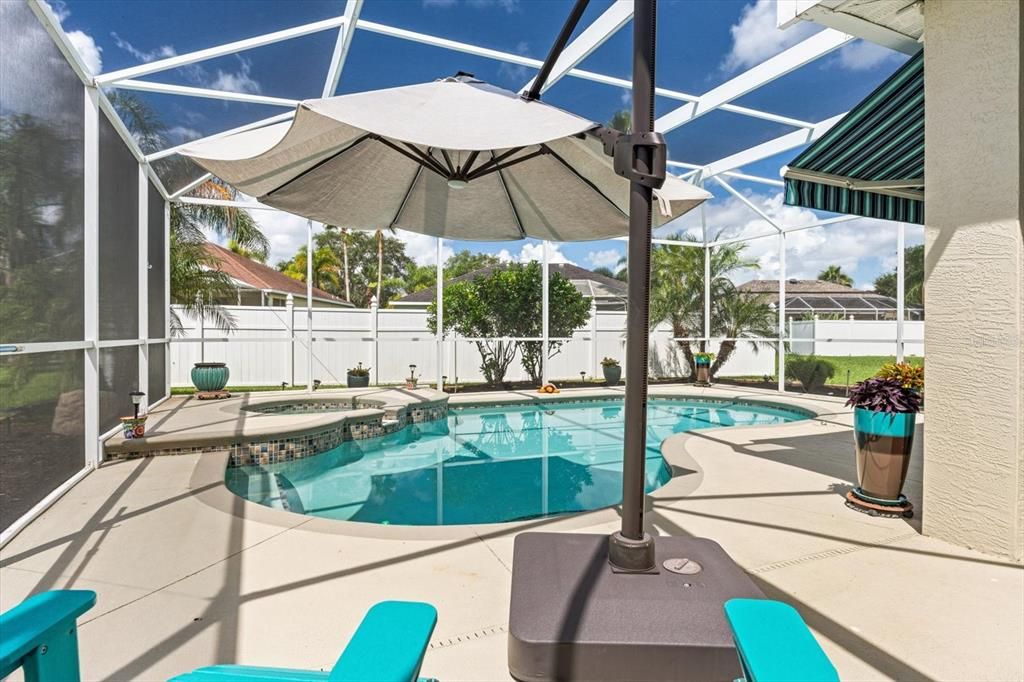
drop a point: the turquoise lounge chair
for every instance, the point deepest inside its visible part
(774, 643)
(40, 635)
(388, 646)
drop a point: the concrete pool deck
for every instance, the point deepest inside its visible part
(189, 575)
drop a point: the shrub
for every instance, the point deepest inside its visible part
(360, 371)
(812, 372)
(609, 362)
(880, 394)
(908, 376)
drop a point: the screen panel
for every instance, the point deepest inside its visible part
(119, 237)
(157, 306)
(41, 213)
(42, 427)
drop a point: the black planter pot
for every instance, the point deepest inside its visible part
(612, 374)
(357, 381)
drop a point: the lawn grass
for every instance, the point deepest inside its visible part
(861, 367)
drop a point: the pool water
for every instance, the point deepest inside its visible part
(487, 464)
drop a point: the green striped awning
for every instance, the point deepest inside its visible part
(871, 163)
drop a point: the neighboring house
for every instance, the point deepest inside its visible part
(807, 298)
(607, 292)
(257, 284)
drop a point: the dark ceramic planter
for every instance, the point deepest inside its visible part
(356, 381)
(884, 443)
(612, 374)
(210, 376)
(703, 374)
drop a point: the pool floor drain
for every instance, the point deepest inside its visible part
(682, 566)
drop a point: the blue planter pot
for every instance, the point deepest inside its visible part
(356, 381)
(210, 376)
(884, 443)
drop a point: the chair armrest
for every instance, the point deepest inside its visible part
(389, 644)
(23, 628)
(774, 643)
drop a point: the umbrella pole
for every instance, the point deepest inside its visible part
(632, 549)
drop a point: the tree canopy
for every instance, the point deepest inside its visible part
(507, 302)
(913, 277)
(835, 274)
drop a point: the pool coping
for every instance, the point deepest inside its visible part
(208, 476)
(185, 425)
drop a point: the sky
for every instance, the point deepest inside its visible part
(702, 43)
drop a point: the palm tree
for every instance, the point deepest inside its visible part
(325, 267)
(196, 281)
(343, 238)
(677, 296)
(835, 274)
(622, 121)
(741, 315)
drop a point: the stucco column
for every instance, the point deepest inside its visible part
(974, 281)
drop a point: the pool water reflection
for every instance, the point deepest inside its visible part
(487, 464)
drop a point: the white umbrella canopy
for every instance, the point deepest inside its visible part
(456, 158)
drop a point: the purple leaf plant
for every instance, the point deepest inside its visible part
(884, 395)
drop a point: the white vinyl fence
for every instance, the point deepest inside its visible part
(854, 337)
(269, 346)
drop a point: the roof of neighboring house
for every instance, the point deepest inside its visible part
(256, 275)
(801, 286)
(816, 294)
(588, 283)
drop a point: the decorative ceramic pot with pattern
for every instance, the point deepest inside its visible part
(133, 427)
(210, 377)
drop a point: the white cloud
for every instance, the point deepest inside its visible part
(606, 258)
(422, 248)
(516, 73)
(88, 50)
(864, 56)
(59, 9)
(507, 5)
(236, 81)
(756, 36)
(160, 52)
(534, 252)
(180, 134)
(865, 245)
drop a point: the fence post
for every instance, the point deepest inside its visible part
(440, 314)
(593, 337)
(782, 311)
(202, 326)
(374, 328)
(289, 316)
(546, 315)
(901, 296)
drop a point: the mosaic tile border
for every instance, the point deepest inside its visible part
(288, 448)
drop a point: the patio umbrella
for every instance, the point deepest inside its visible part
(456, 158)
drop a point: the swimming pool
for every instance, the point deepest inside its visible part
(487, 464)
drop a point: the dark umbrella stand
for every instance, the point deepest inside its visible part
(624, 607)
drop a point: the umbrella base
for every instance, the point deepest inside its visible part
(572, 617)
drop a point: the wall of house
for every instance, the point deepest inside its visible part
(259, 353)
(974, 276)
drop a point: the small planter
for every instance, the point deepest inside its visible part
(357, 380)
(410, 383)
(884, 442)
(704, 374)
(210, 377)
(133, 427)
(612, 374)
